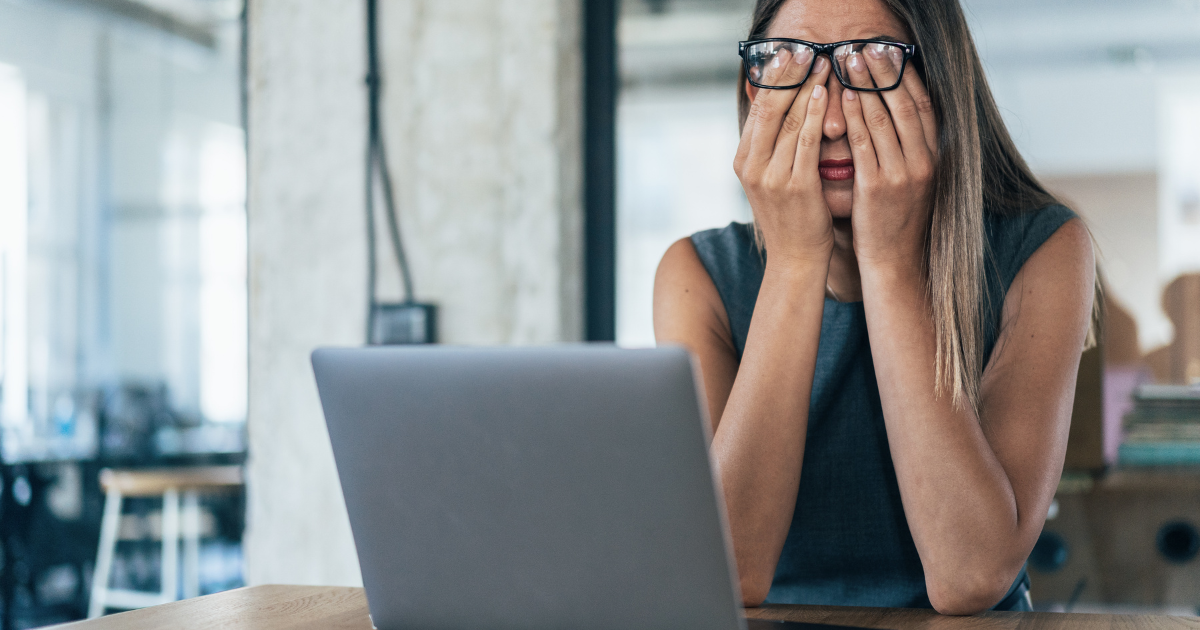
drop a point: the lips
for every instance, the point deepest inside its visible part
(836, 170)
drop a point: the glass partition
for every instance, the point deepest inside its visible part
(123, 294)
(122, 251)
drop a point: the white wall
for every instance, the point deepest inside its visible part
(1121, 209)
(482, 116)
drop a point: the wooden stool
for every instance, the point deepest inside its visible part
(167, 483)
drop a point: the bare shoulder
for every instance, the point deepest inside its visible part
(1065, 265)
(1071, 244)
(688, 311)
(685, 297)
(1050, 301)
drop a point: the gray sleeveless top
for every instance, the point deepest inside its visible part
(849, 543)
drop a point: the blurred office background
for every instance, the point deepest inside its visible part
(170, 252)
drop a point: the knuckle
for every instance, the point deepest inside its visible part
(924, 105)
(792, 123)
(774, 182)
(905, 109)
(859, 137)
(809, 139)
(878, 119)
(755, 111)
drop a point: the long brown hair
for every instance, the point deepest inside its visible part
(979, 170)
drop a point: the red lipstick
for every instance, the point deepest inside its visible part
(836, 170)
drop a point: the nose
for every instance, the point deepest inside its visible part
(834, 127)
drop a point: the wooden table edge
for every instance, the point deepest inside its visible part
(296, 607)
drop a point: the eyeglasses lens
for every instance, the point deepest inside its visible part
(869, 66)
(778, 64)
(860, 66)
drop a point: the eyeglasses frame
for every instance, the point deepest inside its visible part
(910, 51)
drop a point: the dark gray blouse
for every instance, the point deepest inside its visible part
(849, 542)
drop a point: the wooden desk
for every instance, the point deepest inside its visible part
(341, 608)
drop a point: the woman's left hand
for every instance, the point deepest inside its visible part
(895, 151)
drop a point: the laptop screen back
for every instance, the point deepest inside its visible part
(564, 487)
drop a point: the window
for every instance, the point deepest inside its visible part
(122, 230)
(676, 136)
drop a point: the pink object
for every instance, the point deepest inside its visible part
(1119, 383)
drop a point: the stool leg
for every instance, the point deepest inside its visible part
(191, 544)
(104, 556)
(170, 545)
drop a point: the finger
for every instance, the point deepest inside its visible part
(874, 113)
(862, 149)
(884, 68)
(808, 143)
(913, 85)
(757, 106)
(785, 146)
(770, 106)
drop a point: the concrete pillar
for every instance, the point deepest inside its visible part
(482, 116)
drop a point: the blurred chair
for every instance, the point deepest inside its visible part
(169, 484)
(1179, 362)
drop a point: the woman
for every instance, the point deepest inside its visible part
(889, 352)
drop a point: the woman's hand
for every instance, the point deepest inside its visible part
(895, 152)
(777, 163)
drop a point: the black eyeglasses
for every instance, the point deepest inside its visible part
(883, 61)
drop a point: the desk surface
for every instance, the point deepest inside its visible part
(342, 608)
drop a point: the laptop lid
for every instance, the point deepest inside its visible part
(560, 487)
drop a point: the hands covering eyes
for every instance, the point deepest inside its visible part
(893, 140)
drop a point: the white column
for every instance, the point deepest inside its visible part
(485, 144)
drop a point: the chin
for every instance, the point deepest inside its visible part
(839, 202)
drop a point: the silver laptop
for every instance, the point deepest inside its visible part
(562, 487)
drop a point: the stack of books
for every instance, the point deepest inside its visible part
(1164, 427)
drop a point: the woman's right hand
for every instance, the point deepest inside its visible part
(777, 162)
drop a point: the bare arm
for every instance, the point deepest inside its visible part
(975, 490)
(760, 407)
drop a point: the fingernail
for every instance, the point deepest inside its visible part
(855, 61)
(875, 50)
(775, 61)
(851, 95)
(818, 92)
(821, 64)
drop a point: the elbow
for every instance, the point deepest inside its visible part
(967, 594)
(754, 591)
